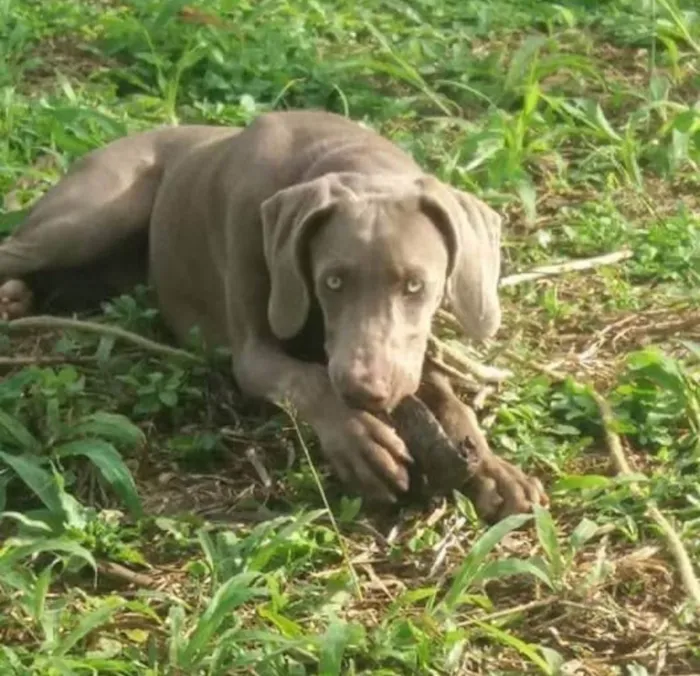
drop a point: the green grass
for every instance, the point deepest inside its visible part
(139, 536)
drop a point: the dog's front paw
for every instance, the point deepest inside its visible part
(15, 300)
(364, 452)
(498, 489)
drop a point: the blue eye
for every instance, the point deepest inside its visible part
(413, 286)
(334, 282)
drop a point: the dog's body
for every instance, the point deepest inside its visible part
(303, 236)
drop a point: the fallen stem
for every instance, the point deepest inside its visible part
(568, 266)
(51, 322)
(622, 467)
(9, 362)
(457, 376)
(489, 374)
(673, 540)
(116, 570)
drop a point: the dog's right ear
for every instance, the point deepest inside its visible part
(288, 219)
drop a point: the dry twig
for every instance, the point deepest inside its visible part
(622, 467)
(29, 360)
(489, 374)
(116, 570)
(673, 540)
(568, 266)
(62, 323)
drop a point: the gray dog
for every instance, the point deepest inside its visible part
(315, 250)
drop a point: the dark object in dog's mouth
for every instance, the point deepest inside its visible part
(440, 465)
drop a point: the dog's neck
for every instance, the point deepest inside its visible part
(308, 344)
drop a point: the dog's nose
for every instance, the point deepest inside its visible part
(368, 394)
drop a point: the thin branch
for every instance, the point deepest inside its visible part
(253, 458)
(673, 540)
(462, 380)
(62, 323)
(116, 570)
(622, 467)
(29, 360)
(568, 266)
(489, 374)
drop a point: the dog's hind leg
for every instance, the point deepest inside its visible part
(100, 208)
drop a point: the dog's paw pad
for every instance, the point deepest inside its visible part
(15, 300)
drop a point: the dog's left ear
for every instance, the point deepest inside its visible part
(473, 233)
(287, 220)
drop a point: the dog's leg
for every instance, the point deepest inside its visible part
(364, 451)
(498, 488)
(104, 200)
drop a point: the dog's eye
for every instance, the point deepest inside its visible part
(413, 286)
(334, 282)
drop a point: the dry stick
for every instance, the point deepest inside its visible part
(489, 374)
(485, 373)
(675, 544)
(464, 381)
(116, 570)
(617, 454)
(28, 360)
(51, 322)
(568, 266)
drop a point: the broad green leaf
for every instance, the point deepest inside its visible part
(178, 640)
(11, 661)
(110, 464)
(522, 61)
(17, 551)
(414, 596)
(525, 649)
(477, 558)
(502, 568)
(110, 426)
(229, 596)
(93, 620)
(602, 122)
(41, 482)
(282, 538)
(13, 432)
(286, 626)
(27, 521)
(585, 530)
(333, 644)
(554, 659)
(41, 589)
(547, 536)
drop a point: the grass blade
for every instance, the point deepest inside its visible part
(13, 432)
(110, 426)
(111, 466)
(94, 619)
(42, 483)
(476, 559)
(334, 643)
(496, 570)
(525, 649)
(547, 535)
(233, 593)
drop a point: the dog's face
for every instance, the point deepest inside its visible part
(378, 252)
(378, 271)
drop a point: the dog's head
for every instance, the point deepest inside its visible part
(379, 253)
